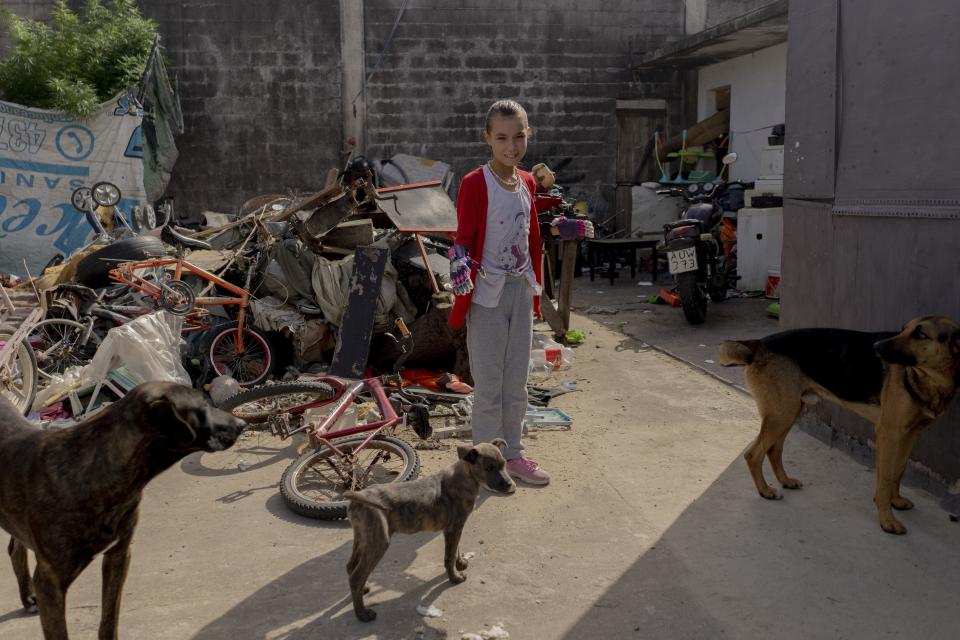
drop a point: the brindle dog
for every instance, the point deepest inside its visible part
(899, 381)
(72, 493)
(441, 502)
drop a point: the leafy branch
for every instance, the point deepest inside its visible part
(77, 61)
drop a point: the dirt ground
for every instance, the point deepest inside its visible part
(651, 528)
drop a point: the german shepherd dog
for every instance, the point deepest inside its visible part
(900, 382)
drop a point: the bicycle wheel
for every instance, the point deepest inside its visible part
(250, 366)
(313, 485)
(60, 343)
(256, 405)
(177, 297)
(20, 384)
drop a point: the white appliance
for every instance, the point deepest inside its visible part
(759, 241)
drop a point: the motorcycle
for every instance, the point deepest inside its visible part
(701, 246)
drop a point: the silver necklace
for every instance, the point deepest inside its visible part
(510, 183)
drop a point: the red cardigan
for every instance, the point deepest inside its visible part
(472, 229)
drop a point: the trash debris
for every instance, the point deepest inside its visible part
(575, 336)
(469, 555)
(496, 631)
(668, 297)
(223, 387)
(644, 283)
(542, 417)
(709, 361)
(773, 309)
(596, 309)
(429, 612)
(570, 384)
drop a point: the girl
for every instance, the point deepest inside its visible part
(498, 237)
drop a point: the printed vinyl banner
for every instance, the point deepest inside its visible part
(44, 156)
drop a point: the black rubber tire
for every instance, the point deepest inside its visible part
(61, 345)
(93, 270)
(294, 393)
(692, 297)
(29, 377)
(292, 487)
(221, 337)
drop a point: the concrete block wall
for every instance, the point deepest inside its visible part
(567, 62)
(259, 84)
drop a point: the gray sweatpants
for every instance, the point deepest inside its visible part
(499, 343)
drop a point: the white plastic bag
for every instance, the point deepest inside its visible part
(548, 355)
(149, 346)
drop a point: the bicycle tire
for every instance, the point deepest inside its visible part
(58, 345)
(250, 367)
(21, 395)
(93, 270)
(316, 496)
(297, 392)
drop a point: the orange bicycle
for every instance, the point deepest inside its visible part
(236, 348)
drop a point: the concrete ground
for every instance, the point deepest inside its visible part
(651, 527)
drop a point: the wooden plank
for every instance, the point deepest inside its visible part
(310, 202)
(549, 312)
(699, 133)
(356, 328)
(567, 263)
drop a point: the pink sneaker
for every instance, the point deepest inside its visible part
(527, 470)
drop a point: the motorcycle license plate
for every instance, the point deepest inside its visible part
(682, 260)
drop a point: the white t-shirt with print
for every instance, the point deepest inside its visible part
(506, 245)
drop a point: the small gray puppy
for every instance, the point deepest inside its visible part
(441, 502)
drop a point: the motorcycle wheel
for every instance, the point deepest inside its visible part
(692, 298)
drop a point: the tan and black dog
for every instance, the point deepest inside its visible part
(441, 502)
(69, 494)
(900, 382)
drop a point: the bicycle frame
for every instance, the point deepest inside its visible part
(345, 395)
(126, 273)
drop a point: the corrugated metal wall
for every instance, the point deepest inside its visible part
(872, 178)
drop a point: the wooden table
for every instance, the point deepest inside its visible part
(600, 250)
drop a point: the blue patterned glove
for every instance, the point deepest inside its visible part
(571, 228)
(460, 265)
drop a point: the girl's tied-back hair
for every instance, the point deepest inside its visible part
(506, 108)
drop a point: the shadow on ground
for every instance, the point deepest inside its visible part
(814, 565)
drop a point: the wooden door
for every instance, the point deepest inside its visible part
(636, 124)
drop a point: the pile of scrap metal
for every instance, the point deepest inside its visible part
(393, 238)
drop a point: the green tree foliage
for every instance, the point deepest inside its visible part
(78, 60)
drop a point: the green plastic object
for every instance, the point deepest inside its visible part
(575, 336)
(773, 309)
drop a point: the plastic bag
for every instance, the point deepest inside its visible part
(548, 355)
(149, 346)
